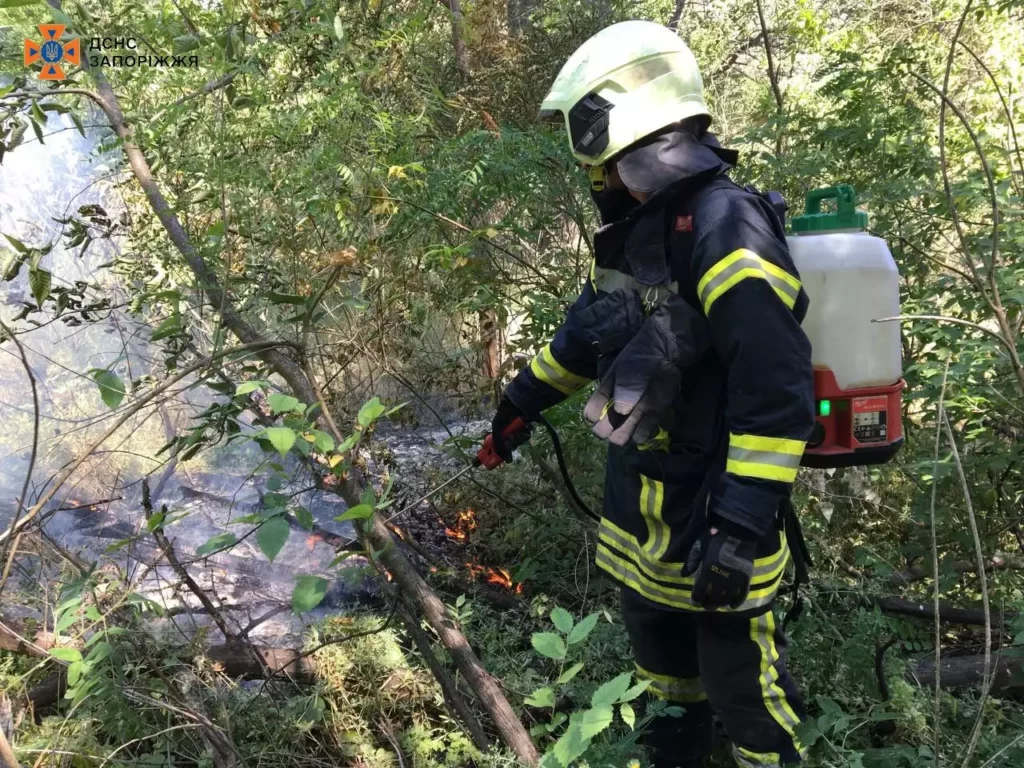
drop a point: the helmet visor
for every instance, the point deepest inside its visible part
(588, 125)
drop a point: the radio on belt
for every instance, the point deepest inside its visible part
(851, 280)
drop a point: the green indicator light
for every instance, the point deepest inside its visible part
(825, 408)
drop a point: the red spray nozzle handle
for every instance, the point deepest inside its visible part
(514, 435)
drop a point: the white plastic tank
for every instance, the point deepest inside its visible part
(851, 279)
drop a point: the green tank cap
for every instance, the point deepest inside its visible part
(846, 215)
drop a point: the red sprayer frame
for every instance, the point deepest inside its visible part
(859, 426)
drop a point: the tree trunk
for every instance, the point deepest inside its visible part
(458, 39)
(677, 14)
(490, 347)
(966, 671)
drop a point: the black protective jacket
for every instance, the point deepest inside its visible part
(745, 409)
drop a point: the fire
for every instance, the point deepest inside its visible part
(496, 576)
(465, 524)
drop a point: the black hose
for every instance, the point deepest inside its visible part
(557, 443)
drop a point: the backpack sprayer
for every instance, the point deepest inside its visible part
(852, 282)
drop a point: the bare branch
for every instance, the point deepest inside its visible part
(35, 445)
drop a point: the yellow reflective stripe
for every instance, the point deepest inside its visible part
(546, 368)
(652, 496)
(749, 759)
(766, 458)
(626, 572)
(593, 279)
(660, 442)
(766, 569)
(738, 266)
(760, 471)
(687, 690)
(762, 632)
(659, 571)
(772, 444)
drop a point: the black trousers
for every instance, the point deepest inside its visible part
(733, 666)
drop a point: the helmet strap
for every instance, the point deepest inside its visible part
(597, 177)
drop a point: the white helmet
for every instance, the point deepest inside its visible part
(626, 82)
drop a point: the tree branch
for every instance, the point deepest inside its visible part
(22, 498)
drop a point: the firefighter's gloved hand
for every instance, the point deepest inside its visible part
(640, 388)
(507, 413)
(722, 564)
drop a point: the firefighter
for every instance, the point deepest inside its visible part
(693, 520)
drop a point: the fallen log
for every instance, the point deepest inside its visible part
(999, 561)
(950, 614)
(958, 672)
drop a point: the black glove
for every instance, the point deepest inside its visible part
(505, 415)
(638, 391)
(722, 564)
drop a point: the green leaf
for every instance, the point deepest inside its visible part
(248, 386)
(272, 536)
(358, 512)
(569, 674)
(17, 3)
(39, 281)
(370, 412)
(169, 327)
(548, 644)
(12, 264)
(184, 44)
(308, 592)
(542, 697)
(284, 298)
(78, 124)
(570, 746)
(595, 720)
(612, 691)
(275, 501)
(562, 620)
(75, 673)
(282, 438)
(70, 655)
(38, 113)
(37, 129)
(275, 482)
(111, 388)
(628, 715)
(580, 631)
(19, 246)
(305, 518)
(283, 403)
(216, 543)
(65, 621)
(100, 651)
(636, 690)
(322, 441)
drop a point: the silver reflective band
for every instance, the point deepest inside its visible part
(611, 280)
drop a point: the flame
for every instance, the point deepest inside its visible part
(465, 524)
(499, 577)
